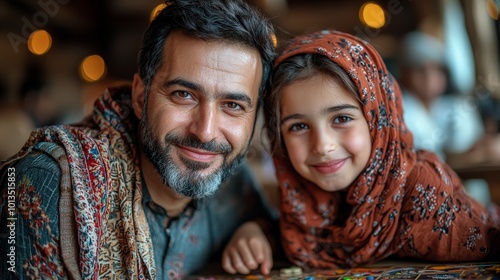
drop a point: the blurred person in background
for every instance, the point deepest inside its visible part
(442, 120)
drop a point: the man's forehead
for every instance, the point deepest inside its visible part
(206, 62)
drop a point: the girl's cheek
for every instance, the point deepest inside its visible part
(359, 141)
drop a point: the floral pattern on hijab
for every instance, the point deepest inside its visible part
(405, 203)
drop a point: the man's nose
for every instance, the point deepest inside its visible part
(205, 123)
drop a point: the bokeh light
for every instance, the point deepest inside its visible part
(275, 40)
(156, 10)
(493, 9)
(92, 68)
(39, 42)
(372, 15)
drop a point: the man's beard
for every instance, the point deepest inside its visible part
(190, 182)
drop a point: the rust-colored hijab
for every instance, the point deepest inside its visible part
(404, 203)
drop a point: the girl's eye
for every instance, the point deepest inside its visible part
(298, 127)
(341, 119)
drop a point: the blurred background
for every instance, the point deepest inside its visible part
(57, 56)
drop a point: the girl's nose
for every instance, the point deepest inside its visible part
(323, 143)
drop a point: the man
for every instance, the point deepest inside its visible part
(138, 190)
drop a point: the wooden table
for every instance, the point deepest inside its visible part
(489, 172)
(387, 269)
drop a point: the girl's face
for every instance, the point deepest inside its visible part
(325, 132)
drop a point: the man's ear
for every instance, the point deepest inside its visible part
(138, 95)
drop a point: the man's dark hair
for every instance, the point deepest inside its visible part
(233, 21)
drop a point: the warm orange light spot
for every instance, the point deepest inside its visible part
(493, 9)
(156, 10)
(39, 42)
(372, 15)
(275, 40)
(92, 68)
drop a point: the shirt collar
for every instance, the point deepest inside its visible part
(189, 211)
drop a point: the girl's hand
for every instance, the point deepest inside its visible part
(247, 249)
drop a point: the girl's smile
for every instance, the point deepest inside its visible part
(329, 166)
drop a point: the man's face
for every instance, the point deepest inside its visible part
(200, 112)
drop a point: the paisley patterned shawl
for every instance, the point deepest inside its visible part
(405, 202)
(100, 164)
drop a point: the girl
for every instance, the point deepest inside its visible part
(353, 189)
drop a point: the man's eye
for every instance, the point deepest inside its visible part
(183, 94)
(233, 106)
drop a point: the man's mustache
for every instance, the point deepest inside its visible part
(193, 142)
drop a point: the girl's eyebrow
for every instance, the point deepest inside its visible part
(292, 117)
(339, 108)
(324, 111)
